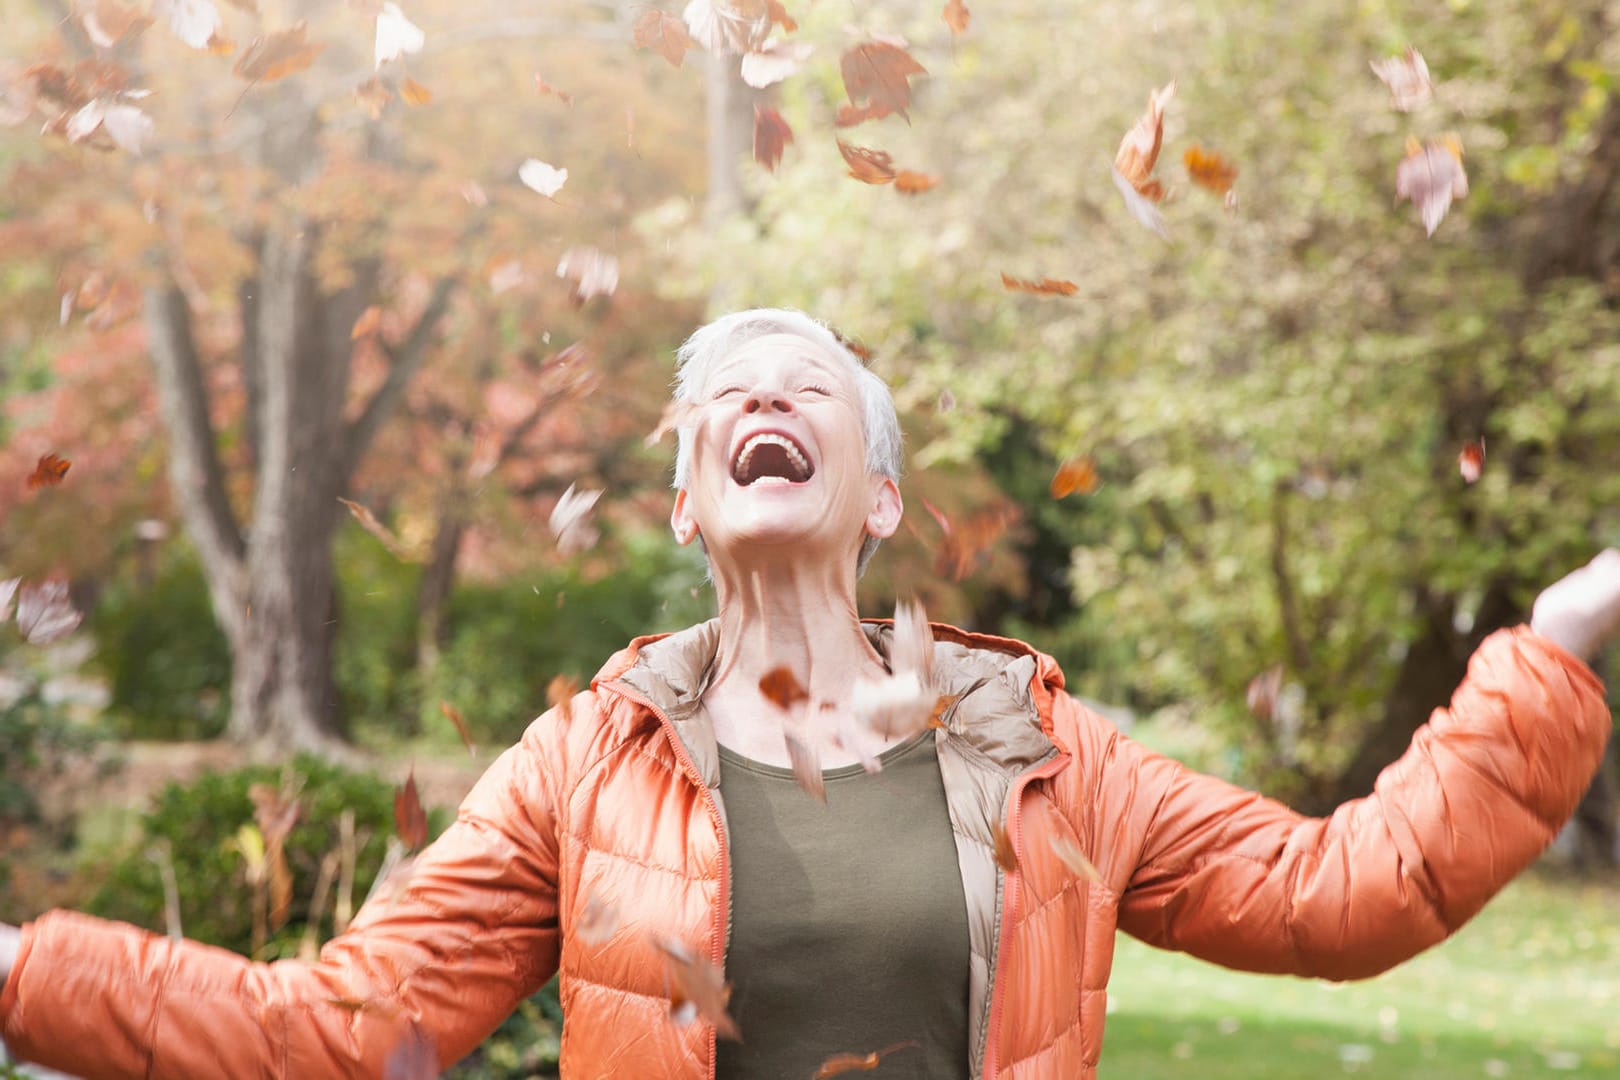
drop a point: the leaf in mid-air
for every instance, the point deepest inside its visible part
(410, 820)
(877, 78)
(664, 34)
(1407, 77)
(771, 136)
(48, 471)
(277, 55)
(1432, 175)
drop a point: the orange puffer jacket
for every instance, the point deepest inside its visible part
(619, 801)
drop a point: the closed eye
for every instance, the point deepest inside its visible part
(728, 390)
(814, 389)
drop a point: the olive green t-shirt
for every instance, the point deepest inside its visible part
(848, 923)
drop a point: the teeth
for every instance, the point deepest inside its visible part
(757, 441)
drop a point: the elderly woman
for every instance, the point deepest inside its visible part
(650, 834)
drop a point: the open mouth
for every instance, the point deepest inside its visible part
(771, 458)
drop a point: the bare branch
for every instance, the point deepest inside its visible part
(407, 359)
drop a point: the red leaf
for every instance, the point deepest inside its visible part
(867, 166)
(1077, 474)
(453, 714)
(410, 820)
(49, 471)
(876, 77)
(1471, 461)
(771, 135)
(665, 34)
(782, 688)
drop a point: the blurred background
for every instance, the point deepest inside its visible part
(1258, 458)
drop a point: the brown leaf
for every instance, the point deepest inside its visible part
(1076, 474)
(1407, 77)
(771, 135)
(876, 77)
(275, 56)
(453, 714)
(1069, 853)
(1432, 175)
(1263, 691)
(367, 324)
(805, 760)
(849, 115)
(956, 16)
(907, 182)
(560, 696)
(698, 988)
(1043, 287)
(48, 471)
(44, 612)
(838, 1064)
(867, 166)
(1471, 460)
(1139, 150)
(369, 522)
(414, 93)
(1006, 857)
(1209, 170)
(782, 688)
(597, 922)
(410, 820)
(942, 705)
(665, 34)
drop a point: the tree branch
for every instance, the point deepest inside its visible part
(406, 360)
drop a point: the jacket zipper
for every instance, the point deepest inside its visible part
(717, 953)
(1009, 907)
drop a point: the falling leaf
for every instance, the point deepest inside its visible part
(506, 275)
(664, 34)
(453, 714)
(676, 415)
(369, 322)
(195, 22)
(560, 696)
(373, 96)
(48, 471)
(396, 35)
(877, 78)
(8, 589)
(597, 921)
(414, 1057)
(773, 62)
(912, 650)
(1209, 170)
(1139, 149)
(125, 126)
(1076, 474)
(107, 22)
(782, 688)
(771, 136)
(544, 88)
(1140, 206)
(892, 706)
(698, 988)
(867, 166)
(956, 16)
(1471, 461)
(854, 345)
(777, 14)
(1006, 857)
(570, 520)
(1432, 176)
(414, 93)
(546, 179)
(838, 1064)
(369, 522)
(1069, 853)
(724, 27)
(966, 544)
(410, 820)
(1263, 691)
(849, 115)
(594, 273)
(1043, 287)
(277, 55)
(1407, 77)
(907, 182)
(44, 612)
(276, 811)
(805, 760)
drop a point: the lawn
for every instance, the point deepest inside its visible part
(1530, 988)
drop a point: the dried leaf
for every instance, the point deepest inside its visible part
(782, 688)
(1069, 853)
(728, 26)
(1407, 77)
(48, 471)
(771, 136)
(543, 88)
(570, 520)
(453, 714)
(1209, 170)
(369, 522)
(367, 325)
(410, 820)
(1471, 460)
(893, 706)
(664, 34)
(912, 651)
(956, 16)
(1263, 691)
(1141, 206)
(560, 696)
(1432, 176)
(805, 760)
(1139, 150)
(1006, 857)
(277, 55)
(107, 22)
(774, 61)
(907, 182)
(597, 922)
(396, 35)
(1076, 474)
(414, 93)
(698, 988)
(546, 179)
(849, 115)
(195, 22)
(838, 1064)
(867, 166)
(594, 273)
(1043, 287)
(877, 78)
(414, 1057)
(677, 414)
(44, 612)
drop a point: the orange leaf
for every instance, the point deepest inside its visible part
(373, 96)
(942, 705)
(369, 522)
(1209, 170)
(277, 55)
(1006, 857)
(771, 135)
(367, 324)
(1139, 150)
(876, 77)
(414, 93)
(867, 166)
(1471, 461)
(410, 820)
(698, 988)
(1071, 856)
(1043, 287)
(560, 696)
(907, 182)
(956, 16)
(1077, 474)
(49, 471)
(453, 714)
(782, 688)
(843, 1063)
(665, 34)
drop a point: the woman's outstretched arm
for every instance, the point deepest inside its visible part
(439, 963)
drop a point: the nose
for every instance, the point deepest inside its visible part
(767, 399)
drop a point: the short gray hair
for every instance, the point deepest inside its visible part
(708, 345)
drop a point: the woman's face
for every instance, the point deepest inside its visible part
(778, 457)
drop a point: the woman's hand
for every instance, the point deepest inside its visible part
(10, 941)
(1581, 611)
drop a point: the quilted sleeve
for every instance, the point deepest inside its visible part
(430, 970)
(1243, 881)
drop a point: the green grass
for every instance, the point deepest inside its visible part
(1530, 988)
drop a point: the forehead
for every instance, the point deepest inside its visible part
(781, 349)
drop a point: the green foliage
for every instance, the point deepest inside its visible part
(197, 821)
(375, 656)
(165, 658)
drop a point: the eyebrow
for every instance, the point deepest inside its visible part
(807, 357)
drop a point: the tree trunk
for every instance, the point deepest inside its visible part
(433, 594)
(729, 111)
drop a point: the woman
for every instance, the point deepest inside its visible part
(650, 831)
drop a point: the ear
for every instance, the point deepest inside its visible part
(680, 521)
(884, 517)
